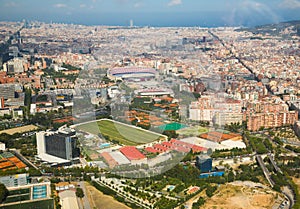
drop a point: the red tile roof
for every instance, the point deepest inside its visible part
(151, 150)
(111, 162)
(132, 153)
(160, 148)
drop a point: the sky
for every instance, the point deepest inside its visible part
(202, 13)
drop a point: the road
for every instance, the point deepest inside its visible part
(287, 192)
(83, 162)
(24, 159)
(85, 200)
(274, 163)
(265, 170)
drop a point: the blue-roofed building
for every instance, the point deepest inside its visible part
(214, 173)
(39, 192)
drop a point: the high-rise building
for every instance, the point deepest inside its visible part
(204, 163)
(269, 113)
(271, 119)
(16, 65)
(217, 110)
(131, 23)
(7, 91)
(61, 144)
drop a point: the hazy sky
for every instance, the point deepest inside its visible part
(152, 12)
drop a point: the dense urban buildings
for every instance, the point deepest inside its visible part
(150, 115)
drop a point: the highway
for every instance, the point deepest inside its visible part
(271, 182)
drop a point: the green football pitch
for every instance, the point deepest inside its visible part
(122, 133)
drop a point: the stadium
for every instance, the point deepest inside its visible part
(131, 73)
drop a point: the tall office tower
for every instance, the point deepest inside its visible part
(61, 144)
(204, 39)
(131, 23)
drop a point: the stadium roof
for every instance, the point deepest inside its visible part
(130, 70)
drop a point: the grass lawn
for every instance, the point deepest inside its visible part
(126, 135)
(93, 155)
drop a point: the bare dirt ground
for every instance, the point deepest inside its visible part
(241, 197)
(100, 201)
(297, 181)
(20, 129)
(190, 202)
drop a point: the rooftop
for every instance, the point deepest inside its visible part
(132, 153)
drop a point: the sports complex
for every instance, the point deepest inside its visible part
(120, 132)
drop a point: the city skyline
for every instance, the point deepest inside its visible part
(149, 104)
(153, 13)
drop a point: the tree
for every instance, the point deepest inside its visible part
(200, 202)
(3, 192)
(210, 190)
(230, 176)
(79, 192)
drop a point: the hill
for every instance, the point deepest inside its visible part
(283, 29)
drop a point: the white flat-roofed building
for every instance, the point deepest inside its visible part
(204, 143)
(154, 92)
(119, 158)
(159, 159)
(52, 159)
(2, 146)
(68, 200)
(234, 144)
